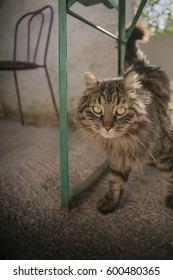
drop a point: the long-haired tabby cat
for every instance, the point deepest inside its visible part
(131, 118)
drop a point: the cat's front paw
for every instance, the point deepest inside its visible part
(169, 201)
(106, 206)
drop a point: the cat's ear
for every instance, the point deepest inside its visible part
(90, 80)
(131, 81)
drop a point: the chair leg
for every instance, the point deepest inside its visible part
(52, 94)
(18, 99)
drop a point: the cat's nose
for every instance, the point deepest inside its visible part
(107, 127)
(107, 124)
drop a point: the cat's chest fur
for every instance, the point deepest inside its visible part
(125, 154)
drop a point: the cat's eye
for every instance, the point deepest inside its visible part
(121, 111)
(97, 110)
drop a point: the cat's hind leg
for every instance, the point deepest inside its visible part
(168, 178)
(111, 200)
(166, 167)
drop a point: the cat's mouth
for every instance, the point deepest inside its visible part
(109, 134)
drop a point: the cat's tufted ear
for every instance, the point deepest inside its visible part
(90, 80)
(131, 81)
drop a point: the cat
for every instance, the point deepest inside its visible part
(131, 118)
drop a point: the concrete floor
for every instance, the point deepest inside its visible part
(32, 226)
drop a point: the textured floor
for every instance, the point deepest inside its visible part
(32, 226)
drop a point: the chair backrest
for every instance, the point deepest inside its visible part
(42, 14)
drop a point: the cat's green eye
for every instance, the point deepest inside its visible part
(97, 110)
(121, 111)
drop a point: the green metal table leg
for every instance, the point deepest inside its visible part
(89, 180)
(122, 35)
(62, 17)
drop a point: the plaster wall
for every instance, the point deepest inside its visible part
(159, 52)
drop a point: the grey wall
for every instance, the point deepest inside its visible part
(159, 51)
(33, 84)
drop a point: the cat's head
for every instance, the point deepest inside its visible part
(112, 108)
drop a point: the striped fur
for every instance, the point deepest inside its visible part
(134, 55)
(131, 118)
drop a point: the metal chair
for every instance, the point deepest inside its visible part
(32, 57)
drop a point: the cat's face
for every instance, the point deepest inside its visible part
(112, 108)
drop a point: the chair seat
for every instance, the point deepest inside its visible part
(17, 65)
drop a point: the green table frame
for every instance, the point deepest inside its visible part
(63, 10)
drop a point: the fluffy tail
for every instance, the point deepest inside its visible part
(134, 55)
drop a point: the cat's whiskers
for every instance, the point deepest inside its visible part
(84, 134)
(132, 149)
(76, 135)
(144, 140)
(140, 142)
(149, 120)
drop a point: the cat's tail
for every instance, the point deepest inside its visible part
(134, 55)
